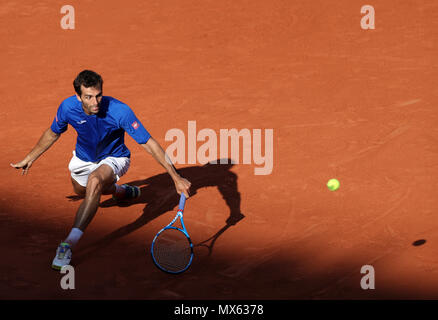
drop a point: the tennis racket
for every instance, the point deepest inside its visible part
(172, 249)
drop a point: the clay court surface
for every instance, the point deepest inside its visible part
(346, 103)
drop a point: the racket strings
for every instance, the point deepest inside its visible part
(172, 250)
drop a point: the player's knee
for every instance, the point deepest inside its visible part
(94, 184)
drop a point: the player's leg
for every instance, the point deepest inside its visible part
(99, 180)
(90, 183)
(80, 171)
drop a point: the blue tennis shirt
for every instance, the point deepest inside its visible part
(103, 134)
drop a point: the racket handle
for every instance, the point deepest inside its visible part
(182, 202)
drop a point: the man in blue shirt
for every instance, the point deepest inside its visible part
(101, 156)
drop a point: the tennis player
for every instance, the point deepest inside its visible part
(101, 156)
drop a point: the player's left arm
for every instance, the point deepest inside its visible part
(155, 149)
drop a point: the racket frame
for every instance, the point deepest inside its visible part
(179, 215)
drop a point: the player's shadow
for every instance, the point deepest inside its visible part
(159, 195)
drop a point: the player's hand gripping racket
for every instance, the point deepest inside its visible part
(172, 249)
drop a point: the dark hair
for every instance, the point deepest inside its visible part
(87, 78)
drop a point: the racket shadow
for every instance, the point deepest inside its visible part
(159, 196)
(210, 242)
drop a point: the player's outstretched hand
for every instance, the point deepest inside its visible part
(182, 185)
(24, 164)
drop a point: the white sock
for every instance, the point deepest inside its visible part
(74, 236)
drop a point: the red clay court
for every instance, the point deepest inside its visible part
(347, 103)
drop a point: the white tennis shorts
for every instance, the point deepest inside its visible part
(80, 170)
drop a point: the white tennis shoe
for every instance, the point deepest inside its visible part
(63, 256)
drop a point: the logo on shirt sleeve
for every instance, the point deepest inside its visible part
(135, 125)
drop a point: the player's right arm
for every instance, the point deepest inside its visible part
(45, 142)
(48, 138)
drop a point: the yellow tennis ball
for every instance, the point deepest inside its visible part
(333, 184)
